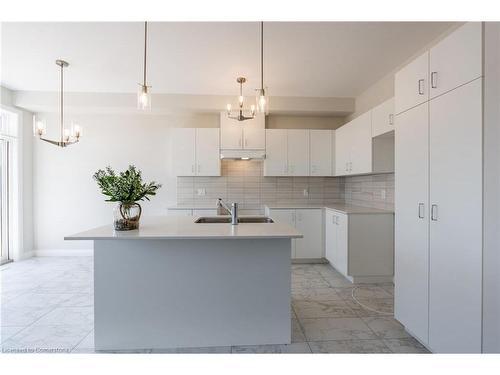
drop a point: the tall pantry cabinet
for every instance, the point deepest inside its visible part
(438, 194)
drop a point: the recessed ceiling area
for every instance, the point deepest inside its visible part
(306, 59)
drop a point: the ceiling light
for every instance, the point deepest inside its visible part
(262, 100)
(144, 94)
(67, 136)
(239, 114)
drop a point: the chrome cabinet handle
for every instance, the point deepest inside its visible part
(421, 87)
(434, 212)
(434, 80)
(347, 167)
(337, 220)
(421, 212)
(391, 119)
(350, 166)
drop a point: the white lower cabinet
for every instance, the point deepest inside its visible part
(309, 222)
(336, 240)
(360, 246)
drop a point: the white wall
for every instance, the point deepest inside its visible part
(66, 199)
(491, 252)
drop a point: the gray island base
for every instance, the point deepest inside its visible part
(176, 284)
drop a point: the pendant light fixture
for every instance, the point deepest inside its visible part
(239, 113)
(262, 100)
(67, 136)
(144, 93)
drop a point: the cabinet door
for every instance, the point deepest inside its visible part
(361, 145)
(456, 223)
(342, 150)
(411, 84)
(207, 152)
(411, 278)
(457, 59)
(342, 249)
(310, 223)
(184, 151)
(383, 118)
(231, 133)
(254, 133)
(298, 152)
(330, 236)
(275, 163)
(285, 217)
(321, 152)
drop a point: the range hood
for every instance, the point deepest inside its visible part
(242, 154)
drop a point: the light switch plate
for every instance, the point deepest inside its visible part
(306, 192)
(201, 191)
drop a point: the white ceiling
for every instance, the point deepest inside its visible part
(328, 59)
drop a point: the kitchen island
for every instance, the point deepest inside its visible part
(175, 283)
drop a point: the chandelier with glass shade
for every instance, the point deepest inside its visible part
(67, 136)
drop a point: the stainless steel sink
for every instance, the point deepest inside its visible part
(226, 219)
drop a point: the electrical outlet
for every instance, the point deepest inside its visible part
(201, 191)
(383, 193)
(306, 192)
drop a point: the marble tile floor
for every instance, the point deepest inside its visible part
(47, 307)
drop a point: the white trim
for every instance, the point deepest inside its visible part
(64, 252)
(27, 255)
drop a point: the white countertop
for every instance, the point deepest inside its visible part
(181, 227)
(339, 207)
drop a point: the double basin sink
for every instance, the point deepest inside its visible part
(227, 220)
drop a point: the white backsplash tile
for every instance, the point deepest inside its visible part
(242, 181)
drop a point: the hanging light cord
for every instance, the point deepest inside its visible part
(145, 49)
(262, 55)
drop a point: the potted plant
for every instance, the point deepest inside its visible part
(127, 189)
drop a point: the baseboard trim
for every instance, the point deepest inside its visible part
(64, 252)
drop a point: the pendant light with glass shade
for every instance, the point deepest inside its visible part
(262, 100)
(67, 136)
(144, 93)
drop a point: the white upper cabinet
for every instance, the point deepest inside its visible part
(361, 145)
(383, 118)
(207, 152)
(457, 59)
(321, 152)
(353, 146)
(342, 150)
(298, 152)
(254, 133)
(196, 152)
(184, 151)
(412, 84)
(276, 160)
(239, 135)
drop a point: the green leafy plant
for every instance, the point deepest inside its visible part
(126, 187)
